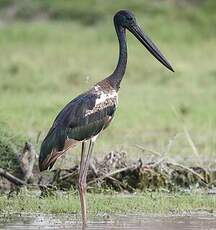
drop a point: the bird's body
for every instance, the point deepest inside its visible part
(81, 119)
(88, 114)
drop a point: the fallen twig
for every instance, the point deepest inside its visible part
(191, 143)
(11, 178)
(189, 170)
(148, 150)
(109, 174)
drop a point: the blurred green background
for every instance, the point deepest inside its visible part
(52, 50)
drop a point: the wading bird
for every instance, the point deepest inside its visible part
(82, 119)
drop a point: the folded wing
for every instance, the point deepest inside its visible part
(81, 119)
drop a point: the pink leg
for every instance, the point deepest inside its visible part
(84, 164)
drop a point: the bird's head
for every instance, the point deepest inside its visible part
(126, 19)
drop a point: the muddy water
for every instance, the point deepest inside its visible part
(135, 222)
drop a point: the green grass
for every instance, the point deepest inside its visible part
(46, 63)
(155, 203)
(10, 148)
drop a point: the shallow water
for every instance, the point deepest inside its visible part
(45, 221)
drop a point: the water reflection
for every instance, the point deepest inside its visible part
(45, 221)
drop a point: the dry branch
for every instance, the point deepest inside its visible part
(11, 178)
(189, 170)
(108, 175)
(148, 150)
(114, 172)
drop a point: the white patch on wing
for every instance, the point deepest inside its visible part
(104, 100)
(103, 97)
(97, 88)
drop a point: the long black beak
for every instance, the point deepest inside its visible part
(151, 47)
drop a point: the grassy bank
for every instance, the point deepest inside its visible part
(154, 203)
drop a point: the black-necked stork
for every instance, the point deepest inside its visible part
(86, 116)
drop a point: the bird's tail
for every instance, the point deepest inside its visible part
(51, 149)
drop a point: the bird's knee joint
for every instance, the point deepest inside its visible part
(81, 185)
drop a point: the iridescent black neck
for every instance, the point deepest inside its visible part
(116, 77)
